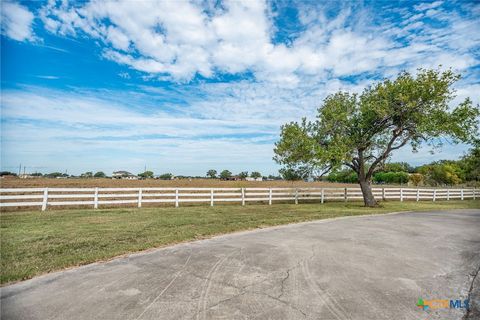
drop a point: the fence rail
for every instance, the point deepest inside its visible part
(46, 197)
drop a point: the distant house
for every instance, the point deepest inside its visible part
(124, 175)
(254, 179)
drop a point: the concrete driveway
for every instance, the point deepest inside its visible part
(371, 267)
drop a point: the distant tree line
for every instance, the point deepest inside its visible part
(227, 174)
(88, 175)
(438, 173)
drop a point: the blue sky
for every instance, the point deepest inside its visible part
(184, 87)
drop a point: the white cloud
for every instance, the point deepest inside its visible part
(181, 39)
(118, 39)
(48, 77)
(427, 5)
(16, 21)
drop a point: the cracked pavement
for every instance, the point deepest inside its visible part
(370, 267)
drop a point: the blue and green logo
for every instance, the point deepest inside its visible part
(442, 304)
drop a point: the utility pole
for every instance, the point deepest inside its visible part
(20, 169)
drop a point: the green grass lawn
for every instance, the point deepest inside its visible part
(37, 242)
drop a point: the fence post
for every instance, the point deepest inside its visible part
(345, 195)
(383, 194)
(461, 193)
(418, 194)
(45, 199)
(434, 194)
(270, 196)
(448, 194)
(211, 197)
(95, 200)
(176, 198)
(296, 195)
(474, 191)
(401, 194)
(140, 197)
(243, 196)
(323, 195)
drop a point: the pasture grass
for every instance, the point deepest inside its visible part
(34, 242)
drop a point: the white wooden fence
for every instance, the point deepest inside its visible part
(45, 197)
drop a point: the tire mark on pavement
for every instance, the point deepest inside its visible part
(176, 275)
(327, 299)
(202, 301)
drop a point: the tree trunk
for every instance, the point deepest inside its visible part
(368, 197)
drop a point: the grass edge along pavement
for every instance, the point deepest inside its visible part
(34, 242)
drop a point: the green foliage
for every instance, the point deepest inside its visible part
(7, 173)
(242, 175)
(343, 176)
(212, 174)
(256, 174)
(147, 174)
(225, 174)
(165, 176)
(391, 177)
(398, 167)
(87, 175)
(100, 174)
(416, 179)
(451, 172)
(471, 163)
(56, 175)
(442, 173)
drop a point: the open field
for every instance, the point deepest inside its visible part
(181, 183)
(33, 242)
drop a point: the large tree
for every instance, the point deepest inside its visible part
(100, 174)
(362, 131)
(256, 174)
(146, 175)
(225, 174)
(212, 174)
(242, 175)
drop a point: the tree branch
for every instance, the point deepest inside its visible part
(396, 133)
(352, 166)
(326, 170)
